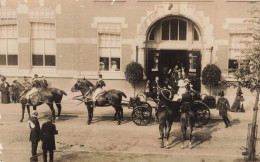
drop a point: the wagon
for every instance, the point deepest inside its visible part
(142, 110)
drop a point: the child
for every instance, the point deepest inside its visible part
(223, 106)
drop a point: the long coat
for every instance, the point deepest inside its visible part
(4, 88)
(237, 102)
(223, 106)
(47, 136)
(36, 131)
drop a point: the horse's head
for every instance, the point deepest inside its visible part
(80, 86)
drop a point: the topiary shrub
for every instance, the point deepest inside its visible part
(211, 76)
(134, 73)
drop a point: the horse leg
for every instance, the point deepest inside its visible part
(28, 110)
(169, 126)
(90, 112)
(119, 110)
(161, 126)
(59, 109)
(191, 123)
(122, 112)
(23, 109)
(183, 129)
(52, 110)
(115, 114)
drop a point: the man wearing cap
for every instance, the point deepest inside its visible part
(99, 86)
(34, 125)
(4, 88)
(36, 85)
(48, 139)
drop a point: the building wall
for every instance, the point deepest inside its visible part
(76, 32)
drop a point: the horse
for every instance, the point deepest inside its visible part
(48, 96)
(165, 114)
(110, 97)
(187, 117)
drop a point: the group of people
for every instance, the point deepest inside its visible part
(44, 134)
(174, 80)
(10, 93)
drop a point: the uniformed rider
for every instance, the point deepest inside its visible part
(34, 88)
(99, 86)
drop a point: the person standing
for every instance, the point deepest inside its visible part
(48, 139)
(4, 88)
(236, 106)
(223, 106)
(34, 125)
(15, 91)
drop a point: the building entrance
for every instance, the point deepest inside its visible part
(162, 62)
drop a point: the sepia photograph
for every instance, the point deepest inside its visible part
(129, 80)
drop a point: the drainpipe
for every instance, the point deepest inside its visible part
(136, 57)
(211, 49)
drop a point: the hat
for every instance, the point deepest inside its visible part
(181, 83)
(101, 63)
(36, 75)
(221, 93)
(100, 75)
(113, 62)
(35, 113)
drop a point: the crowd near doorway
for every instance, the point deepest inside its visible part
(161, 62)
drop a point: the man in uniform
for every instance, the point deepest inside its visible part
(35, 134)
(44, 83)
(99, 86)
(34, 88)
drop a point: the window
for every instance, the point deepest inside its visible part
(43, 44)
(8, 45)
(237, 43)
(195, 34)
(174, 29)
(109, 51)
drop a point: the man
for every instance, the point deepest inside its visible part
(48, 140)
(26, 84)
(43, 83)
(35, 88)
(155, 88)
(15, 91)
(99, 86)
(34, 125)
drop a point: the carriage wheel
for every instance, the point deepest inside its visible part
(141, 115)
(202, 113)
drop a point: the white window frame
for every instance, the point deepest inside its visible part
(120, 48)
(178, 39)
(8, 38)
(43, 38)
(231, 74)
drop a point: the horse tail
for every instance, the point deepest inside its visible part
(123, 94)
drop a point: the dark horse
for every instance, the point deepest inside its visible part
(166, 112)
(187, 119)
(48, 96)
(110, 97)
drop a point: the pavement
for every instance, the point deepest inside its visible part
(104, 140)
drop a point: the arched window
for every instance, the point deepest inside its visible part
(151, 35)
(195, 34)
(174, 29)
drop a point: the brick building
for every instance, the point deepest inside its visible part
(81, 38)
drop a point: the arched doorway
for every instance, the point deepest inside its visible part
(184, 12)
(173, 44)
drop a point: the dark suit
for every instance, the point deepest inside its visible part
(48, 140)
(35, 134)
(44, 84)
(4, 88)
(100, 84)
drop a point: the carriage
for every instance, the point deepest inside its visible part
(143, 106)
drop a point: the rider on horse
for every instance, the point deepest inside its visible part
(99, 86)
(34, 88)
